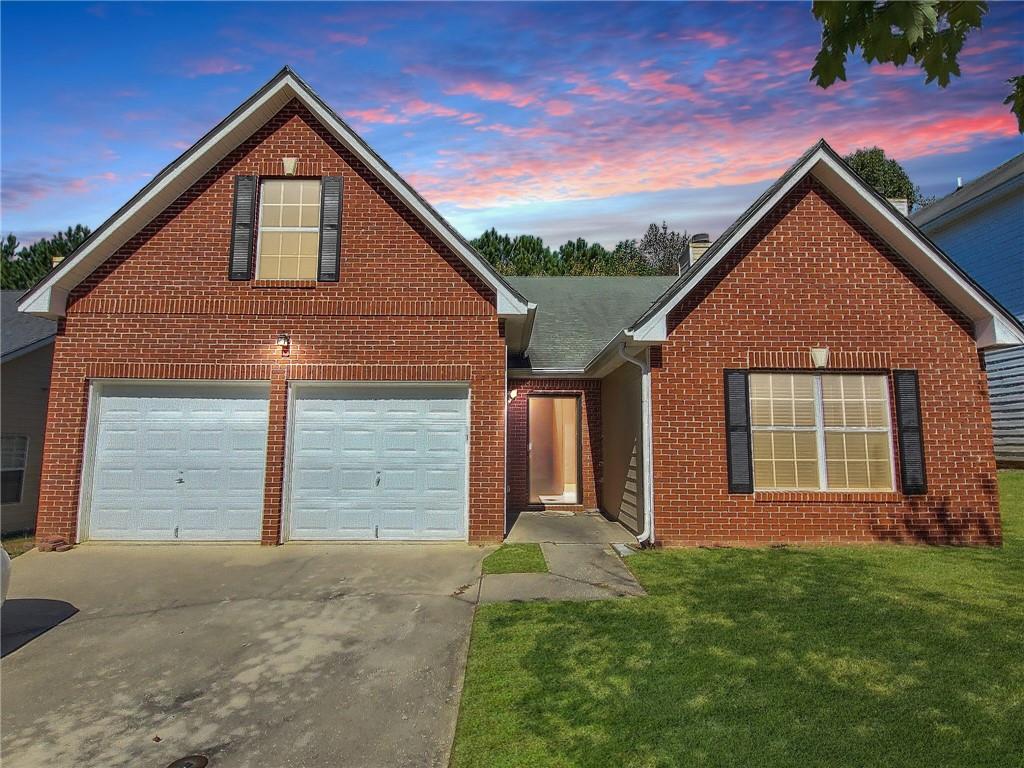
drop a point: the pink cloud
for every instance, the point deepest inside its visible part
(709, 37)
(502, 92)
(659, 82)
(22, 190)
(558, 108)
(347, 38)
(214, 65)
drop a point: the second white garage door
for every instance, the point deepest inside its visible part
(378, 462)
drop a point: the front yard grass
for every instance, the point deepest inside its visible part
(516, 558)
(18, 543)
(804, 656)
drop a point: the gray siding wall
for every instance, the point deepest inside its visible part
(622, 446)
(986, 239)
(26, 383)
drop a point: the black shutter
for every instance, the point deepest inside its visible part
(908, 425)
(737, 432)
(243, 218)
(330, 229)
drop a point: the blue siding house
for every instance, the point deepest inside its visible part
(981, 227)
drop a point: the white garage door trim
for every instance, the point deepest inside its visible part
(295, 387)
(97, 387)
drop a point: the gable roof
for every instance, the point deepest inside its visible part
(577, 316)
(21, 333)
(994, 326)
(49, 297)
(1003, 177)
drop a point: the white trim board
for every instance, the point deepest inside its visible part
(49, 297)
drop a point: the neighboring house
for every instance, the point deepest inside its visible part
(24, 383)
(981, 226)
(277, 339)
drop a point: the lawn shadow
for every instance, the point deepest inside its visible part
(24, 619)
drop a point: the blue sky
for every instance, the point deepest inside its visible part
(555, 119)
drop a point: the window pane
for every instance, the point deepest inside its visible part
(10, 485)
(271, 194)
(307, 268)
(290, 216)
(268, 267)
(289, 243)
(858, 460)
(311, 216)
(309, 243)
(292, 193)
(14, 449)
(785, 459)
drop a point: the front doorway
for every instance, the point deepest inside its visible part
(553, 424)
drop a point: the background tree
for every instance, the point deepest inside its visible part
(886, 175)
(664, 249)
(658, 253)
(21, 268)
(929, 32)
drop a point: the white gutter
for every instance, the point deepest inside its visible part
(646, 536)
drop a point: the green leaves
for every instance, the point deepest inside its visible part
(658, 253)
(928, 32)
(884, 174)
(24, 267)
(1016, 100)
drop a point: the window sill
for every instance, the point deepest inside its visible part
(304, 284)
(828, 497)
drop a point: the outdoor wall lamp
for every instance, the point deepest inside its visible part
(512, 394)
(284, 341)
(819, 356)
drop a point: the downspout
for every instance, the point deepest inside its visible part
(646, 536)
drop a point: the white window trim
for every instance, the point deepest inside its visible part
(820, 430)
(260, 228)
(23, 468)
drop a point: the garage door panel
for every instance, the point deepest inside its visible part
(190, 456)
(379, 444)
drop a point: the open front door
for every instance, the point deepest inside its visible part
(554, 432)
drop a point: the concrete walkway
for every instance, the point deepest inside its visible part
(580, 558)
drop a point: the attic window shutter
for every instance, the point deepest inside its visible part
(330, 229)
(908, 425)
(737, 434)
(243, 216)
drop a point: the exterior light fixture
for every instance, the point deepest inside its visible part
(289, 164)
(512, 394)
(819, 356)
(284, 341)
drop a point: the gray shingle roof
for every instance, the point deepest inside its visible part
(19, 330)
(1008, 171)
(577, 316)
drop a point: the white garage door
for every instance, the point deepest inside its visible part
(378, 462)
(178, 462)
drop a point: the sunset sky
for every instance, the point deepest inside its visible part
(558, 120)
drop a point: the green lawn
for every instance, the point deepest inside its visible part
(18, 543)
(834, 656)
(516, 558)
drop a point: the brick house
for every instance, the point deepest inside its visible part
(277, 339)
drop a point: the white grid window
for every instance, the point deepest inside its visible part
(13, 457)
(821, 432)
(289, 229)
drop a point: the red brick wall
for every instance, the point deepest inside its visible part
(589, 390)
(812, 275)
(405, 309)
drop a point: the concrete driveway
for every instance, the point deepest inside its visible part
(292, 656)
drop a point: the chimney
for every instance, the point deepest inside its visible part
(900, 204)
(699, 243)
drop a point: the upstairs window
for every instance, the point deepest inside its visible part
(820, 432)
(288, 240)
